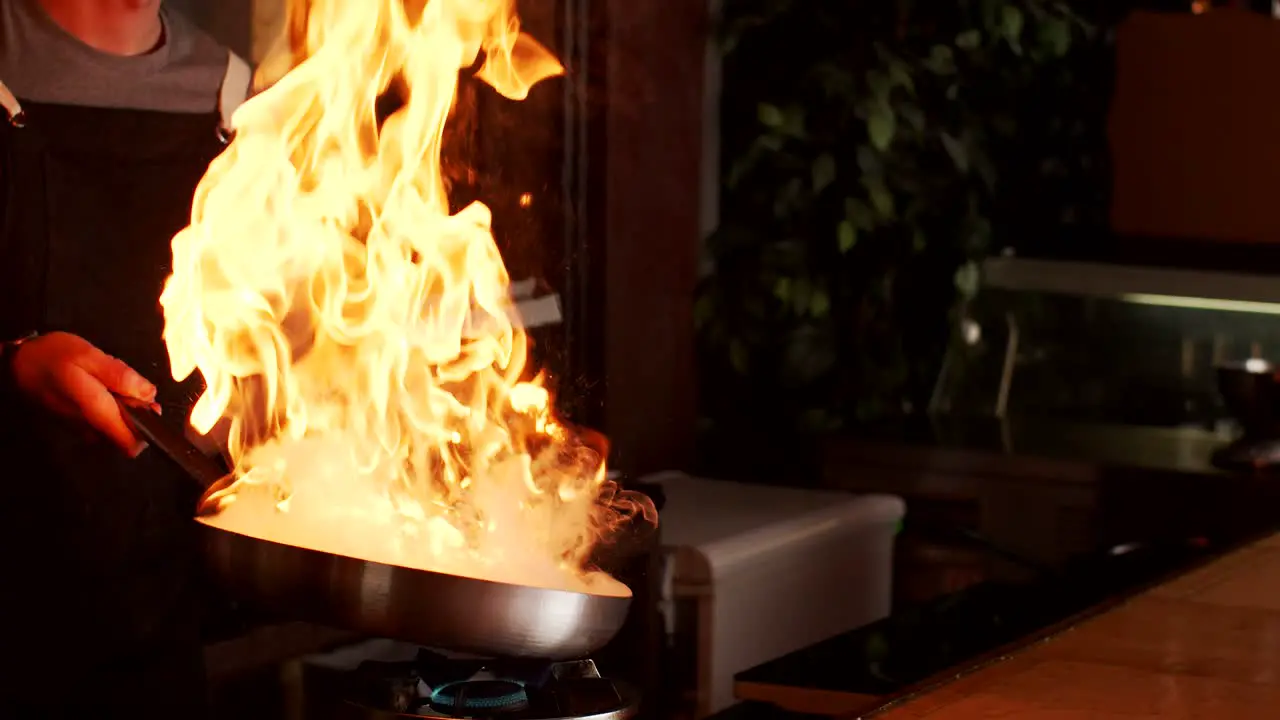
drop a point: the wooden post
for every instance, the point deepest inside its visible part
(653, 128)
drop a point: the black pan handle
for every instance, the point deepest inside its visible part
(201, 468)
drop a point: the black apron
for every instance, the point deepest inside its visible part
(99, 609)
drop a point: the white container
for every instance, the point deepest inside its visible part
(755, 572)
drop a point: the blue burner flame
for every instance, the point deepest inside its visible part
(488, 695)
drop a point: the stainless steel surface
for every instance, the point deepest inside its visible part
(1107, 280)
(431, 609)
(1007, 370)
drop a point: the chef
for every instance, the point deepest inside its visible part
(112, 111)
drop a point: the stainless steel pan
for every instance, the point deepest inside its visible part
(433, 609)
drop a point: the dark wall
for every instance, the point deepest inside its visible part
(1193, 126)
(612, 155)
(226, 20)
(655, 65)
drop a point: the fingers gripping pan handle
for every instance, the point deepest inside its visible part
(173, 443)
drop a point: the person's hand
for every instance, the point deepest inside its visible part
(71, 377)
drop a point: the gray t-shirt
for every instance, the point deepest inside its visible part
(41, 62)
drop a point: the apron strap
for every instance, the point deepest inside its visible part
(235, 89)
(11, 106)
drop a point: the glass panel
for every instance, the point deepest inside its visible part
(1144, 360)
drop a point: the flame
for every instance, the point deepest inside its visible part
(359, 337)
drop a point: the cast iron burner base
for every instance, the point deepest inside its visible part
(442, 688)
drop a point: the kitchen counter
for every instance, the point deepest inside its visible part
(873, 666)
(1203, 645)
(1021, 530)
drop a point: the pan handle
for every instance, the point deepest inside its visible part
(201, 468)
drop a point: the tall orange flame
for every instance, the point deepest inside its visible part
(359, 337)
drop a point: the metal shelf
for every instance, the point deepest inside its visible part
(1152, 285)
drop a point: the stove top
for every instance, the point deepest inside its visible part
(434, 685)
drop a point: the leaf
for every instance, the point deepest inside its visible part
(979, 237)
(880, 127)
(847, 236)
(953, 91)
(738, 357)
(969, 39)
(860, 214)
(782, 289)
(793, 122)
(824, 172)
(770, 115)
(900, 76)
(879, 84)
(967, 279)
(881, 199)
(1011, 22)
(819, 303)
(912, 115)
(770, 142)
(918, 241)
(941, 60)
(869, 161)
(957, 150)
(1055, 34)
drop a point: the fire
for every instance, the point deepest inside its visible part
(358, 336)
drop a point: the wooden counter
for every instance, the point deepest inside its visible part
(1204, 645)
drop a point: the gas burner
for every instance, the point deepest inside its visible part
(485, 697)
(439, 687)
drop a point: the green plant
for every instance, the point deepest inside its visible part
(889, 141)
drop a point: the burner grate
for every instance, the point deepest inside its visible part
(439, 687)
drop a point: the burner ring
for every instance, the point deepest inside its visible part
(488, 695)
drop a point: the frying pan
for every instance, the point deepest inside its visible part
(433, 609)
